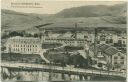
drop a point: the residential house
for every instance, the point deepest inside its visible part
(113, 57)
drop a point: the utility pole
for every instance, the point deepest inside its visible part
(75, 34)
(95, 41)
(75, 31)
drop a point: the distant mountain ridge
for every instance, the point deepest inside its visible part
(90, 14)
(93, 11)
(18, 20)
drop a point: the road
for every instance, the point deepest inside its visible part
(45, 50)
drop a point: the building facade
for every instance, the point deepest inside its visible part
(119, 60)
(23, 45)
(113, 56)
(66, 41)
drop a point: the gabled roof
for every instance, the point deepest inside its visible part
(111, 51)
(107, 49)
(103, 46)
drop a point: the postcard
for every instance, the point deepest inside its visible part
(70, 41)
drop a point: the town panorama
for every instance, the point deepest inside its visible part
(83, 43)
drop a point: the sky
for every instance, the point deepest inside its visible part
(49, 6)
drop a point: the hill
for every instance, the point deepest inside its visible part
(93, 11)
(12, 20)
(89, 15)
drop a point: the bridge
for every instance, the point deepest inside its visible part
(59, 69)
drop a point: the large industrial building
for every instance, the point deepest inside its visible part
(23, 45)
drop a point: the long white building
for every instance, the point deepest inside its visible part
(67, 39)
(24, 45)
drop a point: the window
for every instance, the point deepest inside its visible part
(115, 62)
(115, 57)
(123, 42)
(111, 40)
(122, 62)
(119, 41)
(122, 58)
(100, 64)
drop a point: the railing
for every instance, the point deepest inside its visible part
(66, 69)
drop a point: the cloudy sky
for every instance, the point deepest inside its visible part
(50, 7)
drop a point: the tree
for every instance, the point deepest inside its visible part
(35, 35)
(14, 33)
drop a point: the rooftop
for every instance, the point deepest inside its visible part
(107, 49)
(26, 40)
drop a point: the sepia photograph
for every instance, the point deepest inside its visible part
(70, 41)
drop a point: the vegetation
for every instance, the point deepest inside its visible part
(93, 11)
(90, 14)
(73, 48)
(50, 45)
(22, 33)
(26, 58)
(65, 58)
(106, 78)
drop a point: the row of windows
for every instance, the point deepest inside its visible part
(24, 49)
(24, 45)
(25, 40)
(118, 63)
(116, 57)
(112, 37)
(68, 41)
(65, 39)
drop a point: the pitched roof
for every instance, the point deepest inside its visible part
(103, 46)
(107, 49)
(27, 40)
(111, 51)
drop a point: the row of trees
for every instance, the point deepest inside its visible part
(15, 33)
